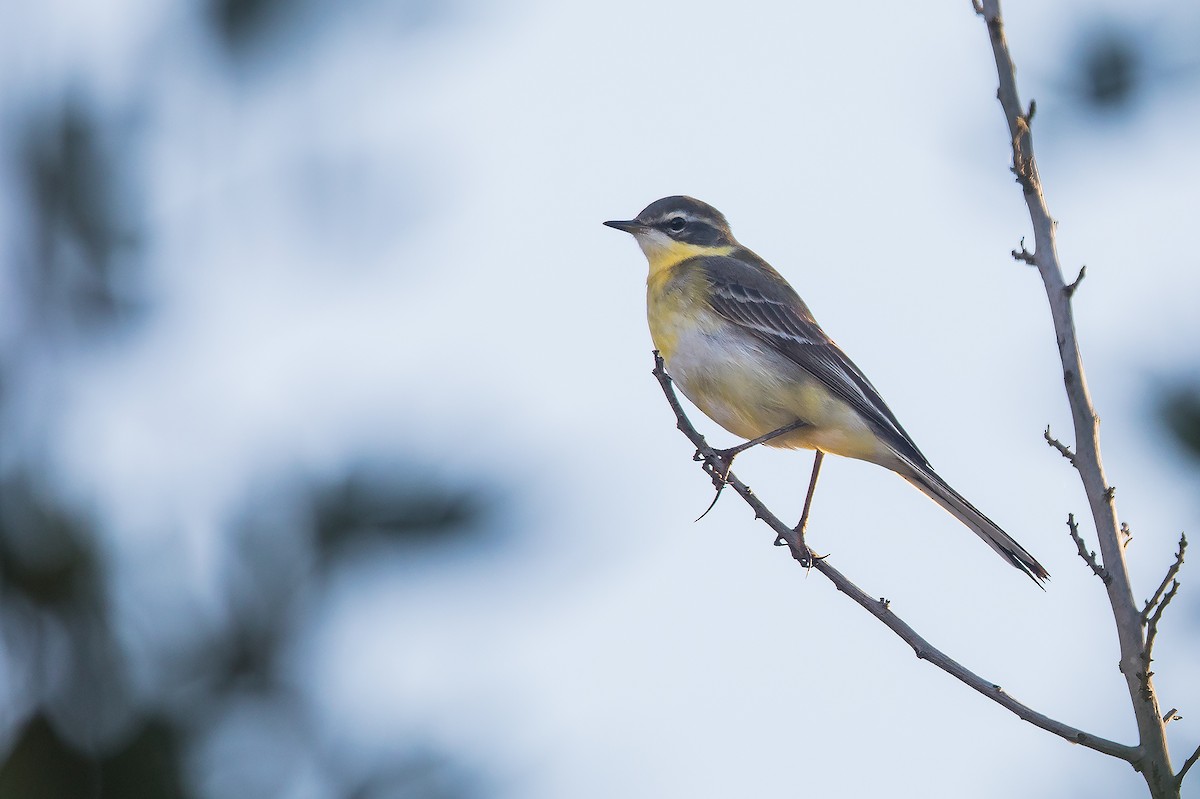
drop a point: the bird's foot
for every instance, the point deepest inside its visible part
(800, 551)
(717, 466)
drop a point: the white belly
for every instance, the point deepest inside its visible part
(751, 390)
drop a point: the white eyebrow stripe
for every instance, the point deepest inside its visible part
(687, 216)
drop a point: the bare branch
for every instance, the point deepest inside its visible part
(881, 608)
(1153, 761)
(1088, 557)
(1187, 764)
(1152, 624)
(1062, 448)
(1171, 572)
(1069, 290)
(1024, 254)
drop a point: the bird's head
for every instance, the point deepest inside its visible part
(674, 229)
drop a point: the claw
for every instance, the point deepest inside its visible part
(718, 469)
(712, 504)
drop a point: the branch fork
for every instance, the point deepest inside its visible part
(1062, 448)
(1176, 565)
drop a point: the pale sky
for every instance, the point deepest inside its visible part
(473, 313)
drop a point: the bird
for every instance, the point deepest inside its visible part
(746, 350)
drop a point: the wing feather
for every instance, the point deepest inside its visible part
(750, 294)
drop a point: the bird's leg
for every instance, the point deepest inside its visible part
(801, 551)
(718, 468)
(812, 488)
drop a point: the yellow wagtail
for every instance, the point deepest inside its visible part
(745, 349)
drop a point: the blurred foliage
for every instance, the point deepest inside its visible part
(43, 765)
(1111, 69)
(77, 183)
(42, 555)
(239, 21)
(1179, 407)
(88, 734)
(252, 31)
(1115, 63)
(94, 704)
(366, 500)
(81, 738)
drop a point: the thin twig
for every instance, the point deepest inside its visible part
(881, 608)
(1171, 572)
(1088, 557)
(1187, 764)
(1062, 448)
(1152, 624)
(1069, 290)
(1024, 254)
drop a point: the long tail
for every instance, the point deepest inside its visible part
(940, 492)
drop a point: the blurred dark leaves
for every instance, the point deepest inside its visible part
(1179, 407)
(1115, 64)
(106, 695)
(42, 551)
(90, 734)
(412, 511)
(255, 32)
(78, 185)
(239, 22)
(1111, 69)
(43, 765)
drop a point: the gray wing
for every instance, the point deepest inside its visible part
(755, 298)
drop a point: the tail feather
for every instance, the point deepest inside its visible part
(940, 492)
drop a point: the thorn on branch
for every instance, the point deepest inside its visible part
(1109, 493)
(1128, 535)
(1170, 716)
(1024, 254)
(1088, 557)
(1062, 448)
(1070, 289)
(1032, 110)
(885, 603)
(1171, 573)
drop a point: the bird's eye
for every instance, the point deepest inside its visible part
(677, 224)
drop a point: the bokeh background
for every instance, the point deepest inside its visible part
(331, 464)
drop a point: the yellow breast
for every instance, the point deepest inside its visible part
(737, 380)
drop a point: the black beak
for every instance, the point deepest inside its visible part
(631, 226)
